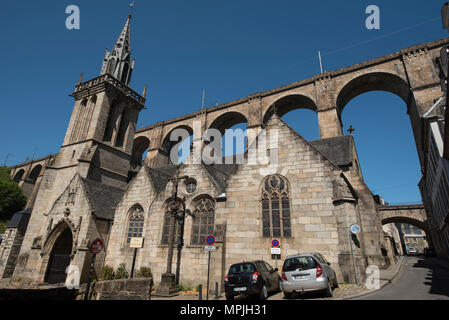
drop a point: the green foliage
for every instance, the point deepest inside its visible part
(144, 272)
(106, 273)
(184, 288)
(12, 199)
(197, 289)
(121, 272)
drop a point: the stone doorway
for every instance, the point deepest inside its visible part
(59, 258)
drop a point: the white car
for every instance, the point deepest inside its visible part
(412, 251)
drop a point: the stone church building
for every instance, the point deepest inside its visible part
(99, 186)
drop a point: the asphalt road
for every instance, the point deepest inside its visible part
(421, 278)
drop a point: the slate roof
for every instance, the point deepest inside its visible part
(102, 198)
(218, 173)
(339, 150)
(159, 176)
(19, 218)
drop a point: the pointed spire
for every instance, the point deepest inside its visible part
(118, 61)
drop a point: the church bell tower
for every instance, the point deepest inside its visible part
(101, 131)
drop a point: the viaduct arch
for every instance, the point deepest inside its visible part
(412, 74)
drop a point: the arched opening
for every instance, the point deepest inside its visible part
(140, 148)
(299, 112)
(375, 106)
(60, 257)
(111, 67)
(18, 176)
(232, 127)
(34, 174)
(125, 73)
(408, 233)
(177, 144)
(377, 81)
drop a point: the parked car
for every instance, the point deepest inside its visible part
(307, 272)
(429, 252)
(412, 251)
(251, 278)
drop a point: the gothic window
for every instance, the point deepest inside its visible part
(167, 220)
(275, 202)
(203, 221)
(135, 223)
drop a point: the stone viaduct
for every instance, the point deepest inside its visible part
(29, 174)
(413, 74)
(411, 214)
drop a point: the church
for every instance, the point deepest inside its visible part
(100, 186)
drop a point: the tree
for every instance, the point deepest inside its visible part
(12, 199)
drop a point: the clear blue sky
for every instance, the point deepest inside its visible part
(230, 48)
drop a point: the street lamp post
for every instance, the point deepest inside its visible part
(177, 209)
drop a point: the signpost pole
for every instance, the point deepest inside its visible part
(208, 271)
(353, 257)
(95, 247)
(86, 295)
(133, 264)
(210, 240)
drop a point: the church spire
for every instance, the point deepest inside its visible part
(118, 61)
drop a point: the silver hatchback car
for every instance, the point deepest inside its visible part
(307, 272)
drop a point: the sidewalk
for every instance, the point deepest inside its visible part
(386, 276)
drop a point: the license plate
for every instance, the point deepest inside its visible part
(305, 277)
(240, 289)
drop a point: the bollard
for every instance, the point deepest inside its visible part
(200, 292)
(216, 290)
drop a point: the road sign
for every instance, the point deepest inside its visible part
(210, 240)
(136, 243)
(96, 246)
(275, 250)
(275, 243)
(210, 248)
(355, 228)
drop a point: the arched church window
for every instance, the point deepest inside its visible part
(275, 200)
(203, 221)
(135, 223)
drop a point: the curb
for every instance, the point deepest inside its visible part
(386, 282)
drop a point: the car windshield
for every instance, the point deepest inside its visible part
(301, 263)
(242, 268)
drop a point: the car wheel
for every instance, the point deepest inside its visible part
(230, 298)
(335, 283)
(263, 293)
(329, 293)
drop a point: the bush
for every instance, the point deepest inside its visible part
(144, 272)
(107, 273)
(121, 272)
(184, 288)
(12, 199)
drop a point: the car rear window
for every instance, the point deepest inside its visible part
(242, 268)
(301, 263)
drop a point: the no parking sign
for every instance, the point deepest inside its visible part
(275, 247)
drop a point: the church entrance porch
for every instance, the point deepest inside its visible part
(59, 258)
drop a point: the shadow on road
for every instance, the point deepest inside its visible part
(437, 275)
